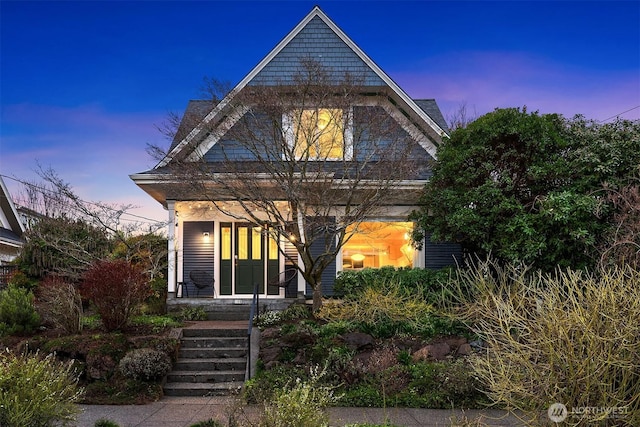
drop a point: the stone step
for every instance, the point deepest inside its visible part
(202, 389)
(210, 353)
(229, 312)
(212, 364)
(205, 376)
(213, 342)
(204, 332)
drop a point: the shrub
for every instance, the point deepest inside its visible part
(145, 364)
(571, 338)
(208, 423)
(36, 391)
(409, 281)
(106, 423)
(60, 304)
(116, 288)
(193, 313)
(388, 311)
(300, 405)
(20, 280)
(17, 313)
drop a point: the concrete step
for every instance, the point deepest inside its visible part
(209, 353)
(208, 377)
(205, 332)
(213, 342)
(202, 389)
(229, 312)
(212, 364)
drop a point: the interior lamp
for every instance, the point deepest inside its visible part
(357, 260)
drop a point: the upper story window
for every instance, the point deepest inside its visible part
(319, 134)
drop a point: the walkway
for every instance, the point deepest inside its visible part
(185, 411)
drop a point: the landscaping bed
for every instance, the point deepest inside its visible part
(96, 357)
(382, 363)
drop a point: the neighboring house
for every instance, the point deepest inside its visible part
(223, 245)
(11, 231)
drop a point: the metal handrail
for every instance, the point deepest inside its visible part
(255, 306)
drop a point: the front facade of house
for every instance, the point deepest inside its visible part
(11, 228)
(221, 236)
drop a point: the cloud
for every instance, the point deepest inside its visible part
(92, 149)
(489, 80)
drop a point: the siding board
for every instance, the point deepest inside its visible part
(441, 254)
(197, 253)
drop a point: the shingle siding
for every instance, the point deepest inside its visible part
(318, 42)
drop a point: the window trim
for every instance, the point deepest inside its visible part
(288, 128)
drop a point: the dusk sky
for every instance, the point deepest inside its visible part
(83, 85)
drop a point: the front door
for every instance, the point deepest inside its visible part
(249, 259)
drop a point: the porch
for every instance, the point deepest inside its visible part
(228, 309)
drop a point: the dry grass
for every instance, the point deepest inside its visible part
(571, 338)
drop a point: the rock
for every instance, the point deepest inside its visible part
(99, 366)
(357, 340)
(464, 350)
(437, 351)
(455, 342)
(269, 333)
(477, 345)
(298, 339)
(270, 354)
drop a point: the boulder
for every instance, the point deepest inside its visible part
(436, 351)
(358, 340)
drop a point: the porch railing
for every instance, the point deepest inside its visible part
(255, 306)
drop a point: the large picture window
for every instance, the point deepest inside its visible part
(319, 134)
(378, 244)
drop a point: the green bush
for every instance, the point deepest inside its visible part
(300, 405)
(207, 423)
(106, 423)
(36, 391)
(193, 313)
(20, 280)
(17, 313)
(145, 364)
(409, 281)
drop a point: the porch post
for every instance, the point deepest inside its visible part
(171, 247)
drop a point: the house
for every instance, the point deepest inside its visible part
(11, 231)
(315, 141)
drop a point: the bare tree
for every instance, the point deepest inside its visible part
(622, 243)
(306, 160)
(461, 117)
(70, 233)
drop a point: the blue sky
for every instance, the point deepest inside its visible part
(84, 84)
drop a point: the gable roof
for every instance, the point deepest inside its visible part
(317, 37)
(11, 228)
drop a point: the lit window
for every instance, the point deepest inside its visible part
(319, 134)
(378, 244)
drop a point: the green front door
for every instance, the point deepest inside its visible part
(249, 259)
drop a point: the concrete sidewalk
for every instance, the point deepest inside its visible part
(185, 411)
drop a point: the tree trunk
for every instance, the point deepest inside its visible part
(317, 297)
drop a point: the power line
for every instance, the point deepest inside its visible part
(46, 190)
(619, 114)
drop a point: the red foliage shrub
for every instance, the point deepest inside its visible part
(116, 288)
